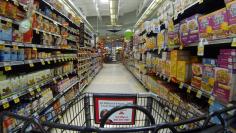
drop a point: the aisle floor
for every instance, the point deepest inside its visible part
(114, 78)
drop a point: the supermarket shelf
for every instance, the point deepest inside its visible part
(33, 88)
(169, 79)
(84, 59)
(214, 42)
(84, 65)
(50, 33)
(25, 62)
(9, 20)
(56, 97)
(26, 45)
(83, 87)
(59, 12)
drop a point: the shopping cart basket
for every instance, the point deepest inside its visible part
(123, 113)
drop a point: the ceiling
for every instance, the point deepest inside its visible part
(127, 14)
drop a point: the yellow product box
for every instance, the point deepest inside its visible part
(183, 71)
(167, 68)
(173, 68)
(179, 55)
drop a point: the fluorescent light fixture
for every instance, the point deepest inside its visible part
(147, 12)
(104, 1)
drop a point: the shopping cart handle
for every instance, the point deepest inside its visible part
(132, 106)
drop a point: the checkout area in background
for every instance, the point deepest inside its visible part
(113, 55)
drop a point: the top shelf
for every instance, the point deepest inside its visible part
(61, 13)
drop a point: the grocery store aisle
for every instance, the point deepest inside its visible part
(114, 78)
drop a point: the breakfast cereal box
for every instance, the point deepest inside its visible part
(205, 27)
(193, 27)
(183, 71)
(184, 31)
(208, 78)
(196, 75)
(173, 68)
(224, 88)
(167, 68)
(231, 11)
(220, 24)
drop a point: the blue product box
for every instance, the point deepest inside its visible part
(5, 55)
(20, 55)
(5, 33)
(208, 61)
(215, 107)
(13, 55)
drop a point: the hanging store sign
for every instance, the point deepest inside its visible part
(121, 117)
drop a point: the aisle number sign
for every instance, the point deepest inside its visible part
(104, 104)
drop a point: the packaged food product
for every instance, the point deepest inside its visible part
(28, 55)
(224, 88)
(205, 27)
(179, 55)
(220, 24)
(5, 54)
(3, 5)
(231, 11)
(11, 13)
(6, 31)
(184, 31)
(13, 54)
(193, 35)
(208, 80)
(196, 75)
(183, 71)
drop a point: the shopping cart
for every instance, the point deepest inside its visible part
(110, 113)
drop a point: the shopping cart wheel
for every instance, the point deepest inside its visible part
(127, 106)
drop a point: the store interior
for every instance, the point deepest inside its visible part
(104, 66)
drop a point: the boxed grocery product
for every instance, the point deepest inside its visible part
(6, 31)
(11, 13)
(183, 71)
(196, 75)
(192, 23)
(205, 27)
(179, 55)
(231, 52)
(184, 31)
(3, 5)
(168, 68)
(5, 54)
(224, 88)
(162, 39)
(220, 24)
(208, 78)
(13, 55)
(231, 11)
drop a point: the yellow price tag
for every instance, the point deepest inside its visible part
(59, 60)
(61, 77)
(7, 68)
(16, 100)
(199, 94)
(38, 89)
(48, 62)
(32, 93)
(2, 47)
(31, 64)
(224, 26)
(37, 31)
(63, 59)
(9, 24)
(54, 80)
(34, 48)
(15, 47)
(189, 89)
(211, 100)
(42, 62)
(181, 47)
(6, 105)
(181, 85)
(169, 79)
(233, 44)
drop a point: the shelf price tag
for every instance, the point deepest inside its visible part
(34, 48)
(31, 64)
(199, 94)
(31, 91)
(211, 100)
(181, 47)
(42, 62)
(2, 46)
(55, 60)
(181, 85)
(233, 44)
(200, 48)
(189, 89)
(48, 61)
(61, 77)
(200, 1)
(5, 104)
(38, 89)
(15, 47)
(7, 68)
(16, 99)
(169, 79)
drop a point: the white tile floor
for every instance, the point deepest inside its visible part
(114, 78)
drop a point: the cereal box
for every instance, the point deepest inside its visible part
(224, 88)
(193, 28)
(183, 71)
(173, 68)
(231, 11)
(184, 31)
(196, 75)
(167, 68)
(179, 55)
(205, 27)
(228, 1)
(220, 24)
(208, 78)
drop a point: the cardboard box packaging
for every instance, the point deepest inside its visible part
(183, 71)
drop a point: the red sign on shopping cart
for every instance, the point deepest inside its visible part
(121, 117)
